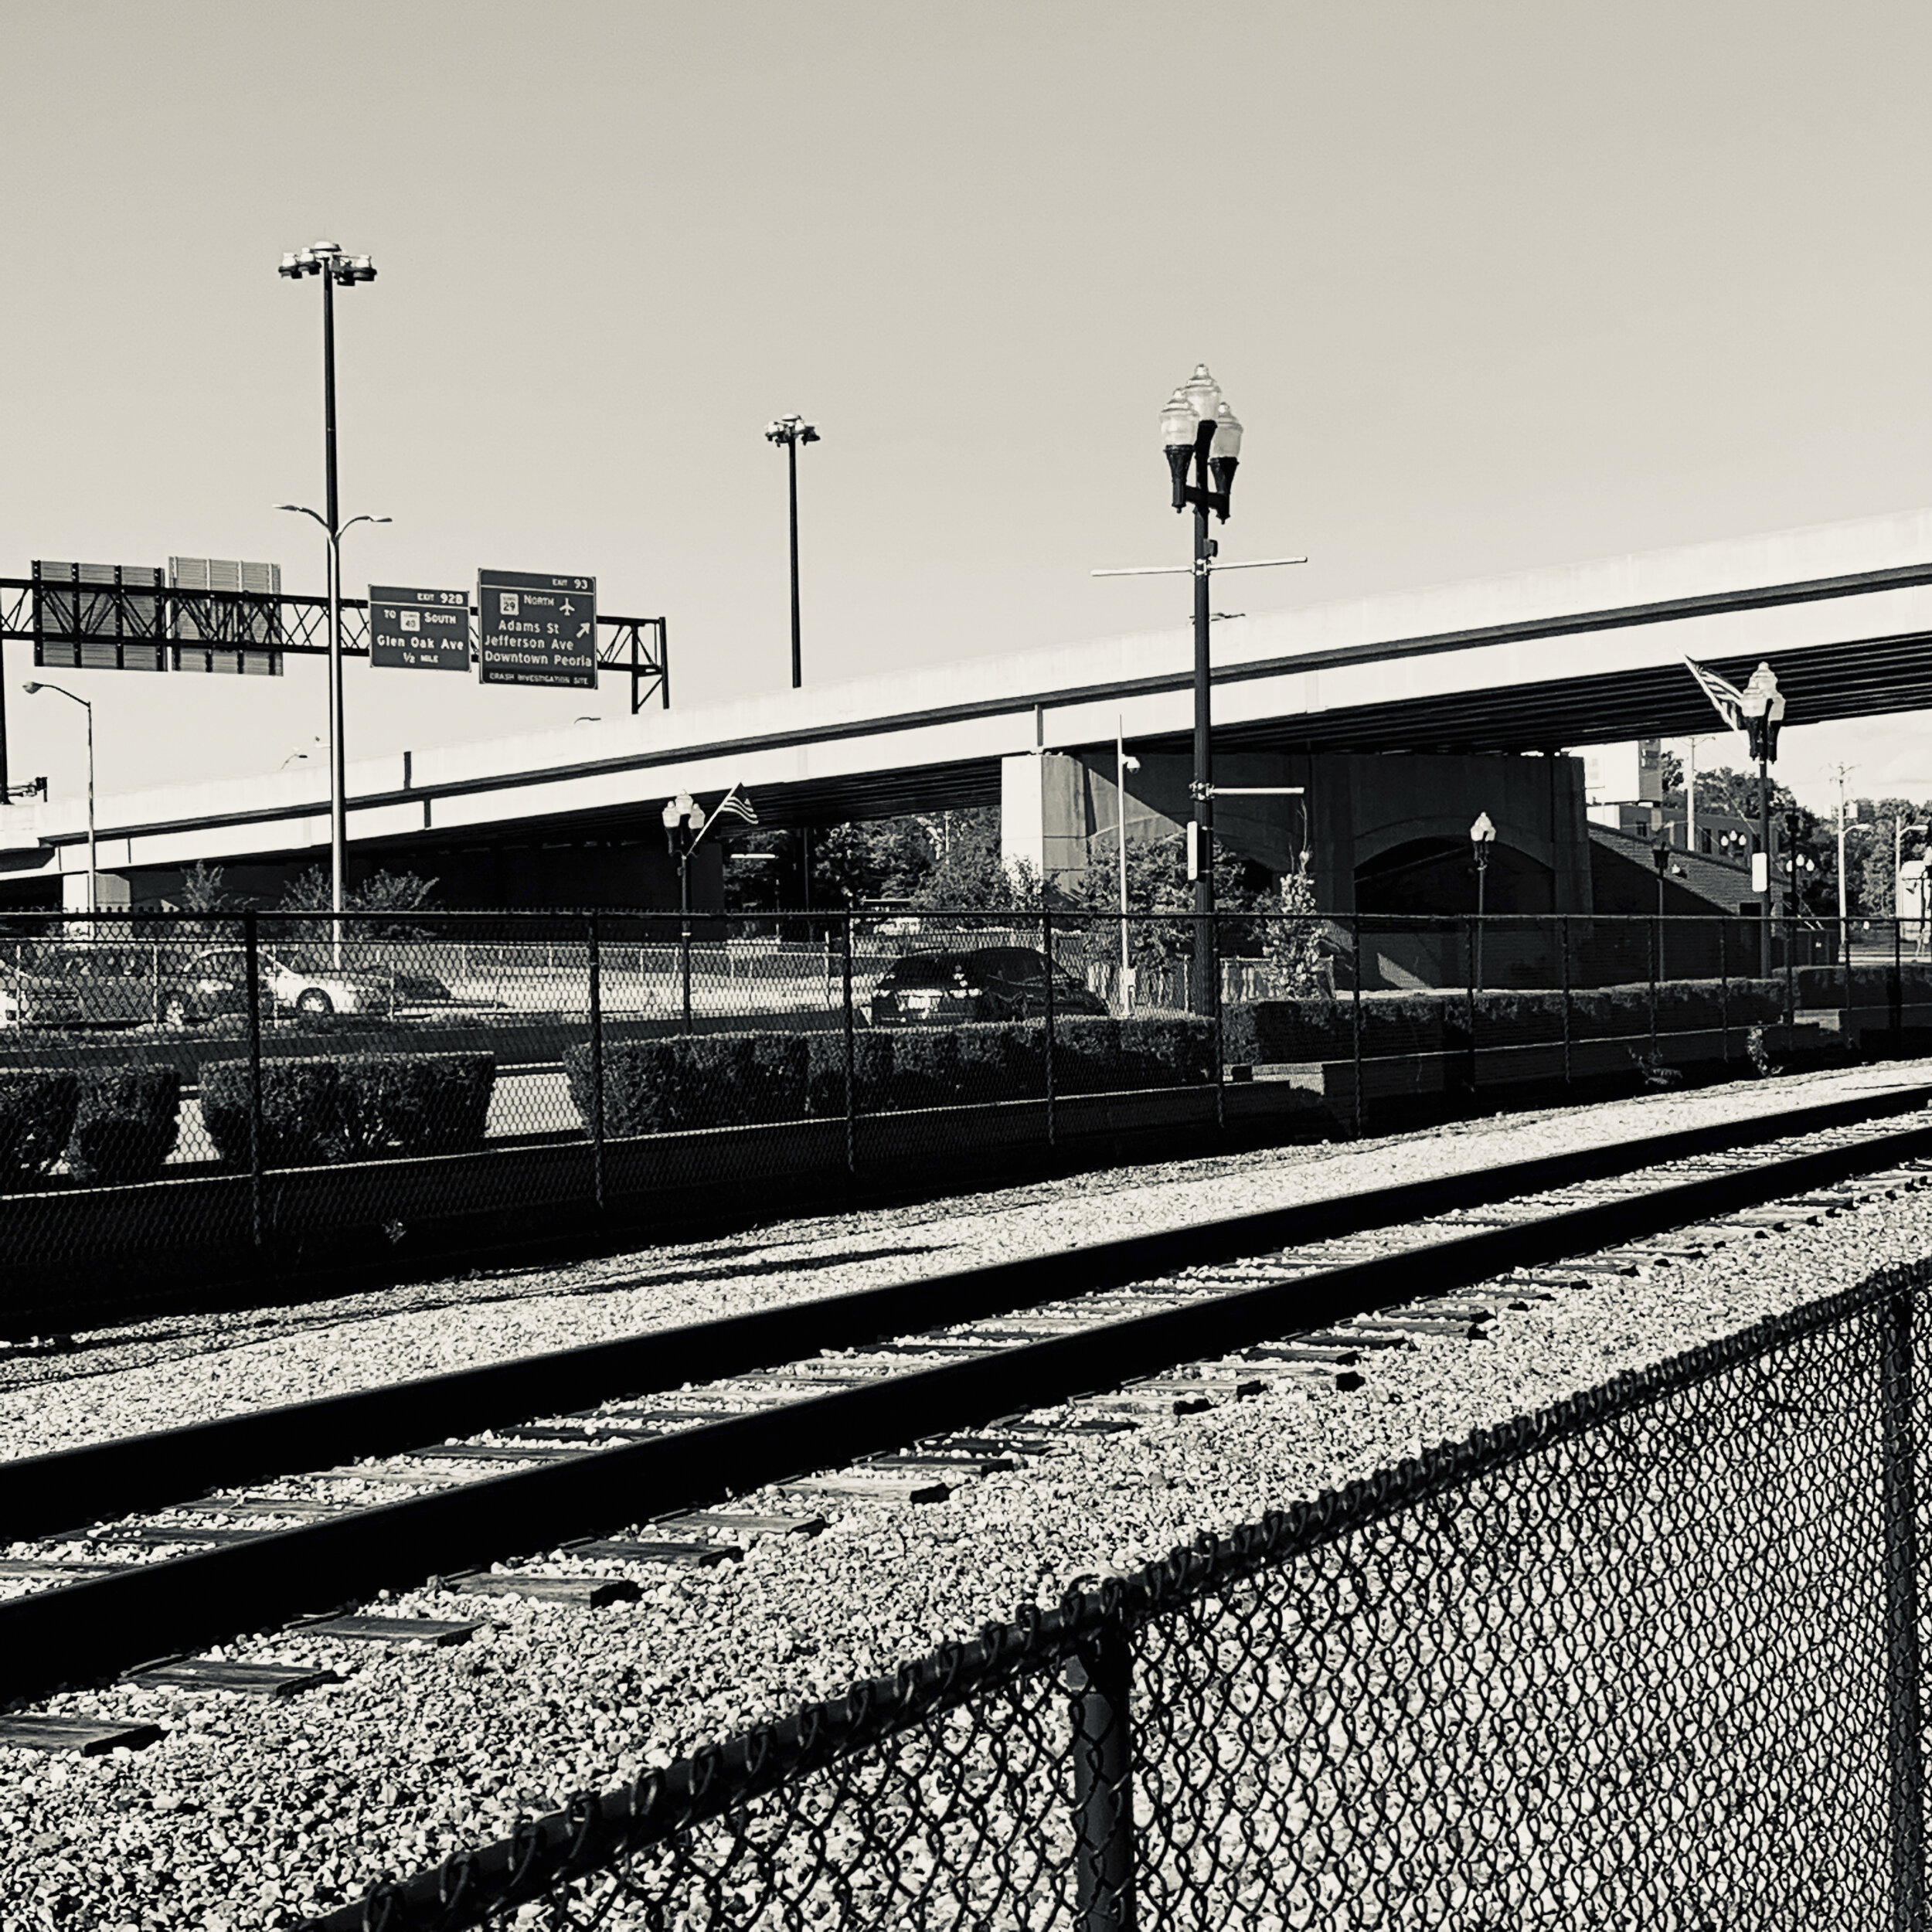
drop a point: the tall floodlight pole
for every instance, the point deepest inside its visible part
(791, 431)
(338, 765)
(94, 858)
(327, 261)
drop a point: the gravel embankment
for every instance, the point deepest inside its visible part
(185, 1368)
(251, 1814)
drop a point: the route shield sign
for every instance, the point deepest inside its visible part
(536, 629)
(418, 630)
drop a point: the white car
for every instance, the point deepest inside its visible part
(215, 981)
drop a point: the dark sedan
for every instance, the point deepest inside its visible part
(988, 983)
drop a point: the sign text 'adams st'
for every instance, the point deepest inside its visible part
(537, 629)
(418, 630)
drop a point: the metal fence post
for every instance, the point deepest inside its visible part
(1904, 1765)
(1046, 946)
(1656, 947)
(1474, 940)
(1849, 1035)
(1723, 992)
(1100, 1674)
(1897, 991)
(1354, 1018)
(851, 1077)
(1220, 1054)
(595, 962)
(251, 947)
(1790, 990)
(1563, 949)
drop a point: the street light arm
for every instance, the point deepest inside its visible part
(302, 509)
(59, 690)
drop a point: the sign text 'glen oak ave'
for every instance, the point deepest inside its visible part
(536, 629)
(418, 630)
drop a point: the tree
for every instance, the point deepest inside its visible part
(870, 860)
(1870, 847)
(390, 892)
(967, 871)
(200, 890)
(208, 908)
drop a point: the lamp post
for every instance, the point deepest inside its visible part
(327, 262)
(791, 431)
(93, 868)
(1482, 839)
(338, 761)
(684, 823)
(1660, 858)
(1200, 433)
(1762, 706)
(1123, 764)
(1900, 832)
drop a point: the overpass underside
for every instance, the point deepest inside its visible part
(1402, 716)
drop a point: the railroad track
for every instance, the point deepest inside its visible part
(128, 1556)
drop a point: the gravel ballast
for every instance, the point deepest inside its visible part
(159, 1375)
(252, 1812)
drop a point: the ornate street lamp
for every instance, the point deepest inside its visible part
(1762, 705)
(1202, 438)
(1482, 839)
(684, 823)
(1202, 434)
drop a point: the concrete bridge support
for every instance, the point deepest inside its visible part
(1383, 835)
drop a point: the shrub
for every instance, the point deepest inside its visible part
(126, 1122)
(37, 1107)
(414, 1103)
(1322, 1029)
(1171, 1050)
(1086, 1054)
(871, 1065)
(1002, 1060)
(702, 1080)
(302, 1110)
(926, 1066)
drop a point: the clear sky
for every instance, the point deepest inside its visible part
(1492, 285)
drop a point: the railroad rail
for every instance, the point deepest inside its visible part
(892, 1391)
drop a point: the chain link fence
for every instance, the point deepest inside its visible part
(190, 1083)
(1651, 1657)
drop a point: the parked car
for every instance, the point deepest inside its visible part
(215, 981)
(987, 983)
(36, 999)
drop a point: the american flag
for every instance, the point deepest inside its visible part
(1727, 700)
(737, 802)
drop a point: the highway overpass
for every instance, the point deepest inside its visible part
(1587, 654)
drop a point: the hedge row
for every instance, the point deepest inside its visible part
(1823, 987)
(357, 1106)
(730, 1079)
(114, 1124)
(1301, 1030)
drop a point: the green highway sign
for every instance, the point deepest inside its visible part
(418, 630)
(537, 629)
